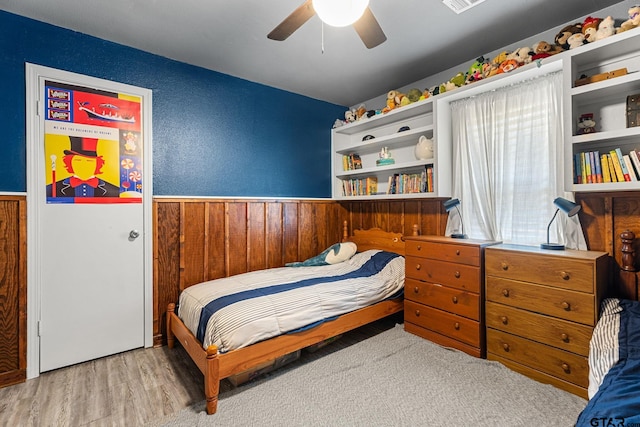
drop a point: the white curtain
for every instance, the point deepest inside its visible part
(508, 165)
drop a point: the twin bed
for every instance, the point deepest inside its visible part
(231, 325)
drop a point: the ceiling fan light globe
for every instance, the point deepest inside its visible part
(340, 13)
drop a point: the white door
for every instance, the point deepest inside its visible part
(89, 261)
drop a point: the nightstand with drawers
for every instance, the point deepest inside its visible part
(541, 308)
(444, 290)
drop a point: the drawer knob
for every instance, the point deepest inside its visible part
(565, 337)
(457, 251)
(417, 313)
(419, 247)
(416, 290)
(505, 292)
(456, 326)
(505, 266)
(457, 274)
(565, 275)
(455, 300)
(505, 346)
(566, 367)
(566, 305)
(418, 266)
(504, 319)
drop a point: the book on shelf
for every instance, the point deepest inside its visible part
(604, 163)
(588, 162)
(595, 155)
(635, 159)
(617, 166)
(623, 165)
(612, 170)
(577, 169)
(632, 172)
(351, 162)
(583, 164)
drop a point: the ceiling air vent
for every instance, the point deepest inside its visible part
(459, 6)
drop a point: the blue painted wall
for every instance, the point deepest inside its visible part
(213, 134)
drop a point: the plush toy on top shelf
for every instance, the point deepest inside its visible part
(606, 28)
(544, 49)
(633, 21)
(562, 38)
(590, 28)
(576, 40)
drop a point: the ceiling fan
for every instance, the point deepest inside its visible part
(338, 13)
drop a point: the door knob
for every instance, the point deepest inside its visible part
(134, 234)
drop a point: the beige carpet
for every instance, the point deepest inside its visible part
(390, 379)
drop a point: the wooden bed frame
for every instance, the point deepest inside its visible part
(217, 366)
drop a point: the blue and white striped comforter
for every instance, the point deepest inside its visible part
(237, 311)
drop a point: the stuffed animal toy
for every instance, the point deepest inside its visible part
(475, 71)
(633, 21)
(544, 49)
(575, 40)
(563, 36)
(606, 28)
(590, 28)
(401, 100)
(521, 55)
(458, 79)
(334, 254)
(586, 124)
(414, 94)
(350, 116)
(507, 65)
(391, 101)
(494, 65)
(425, 94)
(361, 113)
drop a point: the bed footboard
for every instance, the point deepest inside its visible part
(206, 360)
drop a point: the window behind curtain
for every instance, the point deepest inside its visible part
(508, 159)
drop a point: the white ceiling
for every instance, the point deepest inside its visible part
(424, 37)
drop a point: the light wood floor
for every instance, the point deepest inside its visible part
(127, 389)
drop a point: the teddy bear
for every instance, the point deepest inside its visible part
(590, 28)
(350, 116)
(633, 21)
(606, 28)
(575, 40)
(562, 37)
(493, 67)
(391, 101)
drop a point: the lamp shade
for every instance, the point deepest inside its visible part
(450, 204)
(567, 206)
(340, 13)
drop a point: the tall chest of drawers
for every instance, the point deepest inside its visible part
(444, 291)
(541, 308)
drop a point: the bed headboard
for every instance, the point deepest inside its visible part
(376, 238)
(627, 278)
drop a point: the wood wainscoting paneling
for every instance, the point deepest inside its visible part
(204, 239)
(13, 290)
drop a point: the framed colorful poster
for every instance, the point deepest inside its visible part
(93, 145)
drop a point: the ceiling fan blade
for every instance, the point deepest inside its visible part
(369, 30)
(292, 22)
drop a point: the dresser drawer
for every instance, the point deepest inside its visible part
(456, 301)
(456, 276)
(573, 306)
(561, 272)
(462, 254)
(558, 363)
(451, 325)
(558, 333)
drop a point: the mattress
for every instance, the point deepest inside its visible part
(237, 311)
(614, 367)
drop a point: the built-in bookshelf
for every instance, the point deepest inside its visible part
(376, 157)
(613, 65)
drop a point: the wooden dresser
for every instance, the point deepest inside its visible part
(444, 291)
(541, 308)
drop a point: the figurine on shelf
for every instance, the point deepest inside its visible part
(586, 124)
(385, 158)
